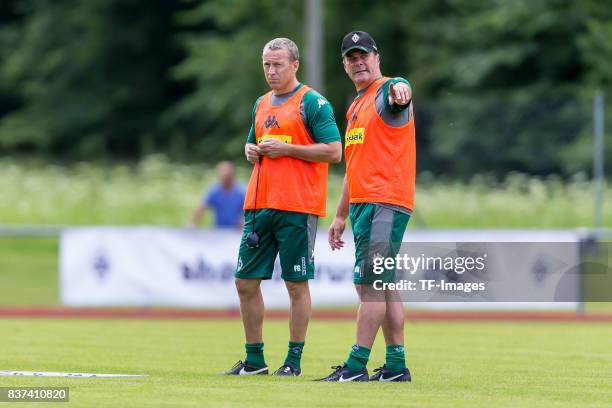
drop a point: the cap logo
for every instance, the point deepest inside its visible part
(355, 38)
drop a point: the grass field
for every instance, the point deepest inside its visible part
(155, 191)
(453, 365)
(29, 272)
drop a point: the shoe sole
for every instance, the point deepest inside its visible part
(257, 372)
(393, 380)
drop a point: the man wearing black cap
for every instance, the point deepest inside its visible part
(378, 195)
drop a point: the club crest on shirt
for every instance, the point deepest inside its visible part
(271, 122)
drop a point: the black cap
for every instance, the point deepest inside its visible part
(358, 40)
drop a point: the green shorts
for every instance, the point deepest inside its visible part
(291, 235)
(378, 231)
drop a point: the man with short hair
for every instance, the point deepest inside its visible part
(378, 195)
(292, 139)
(226, 198)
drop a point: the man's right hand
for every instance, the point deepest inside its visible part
(335, 233)
(252, 152)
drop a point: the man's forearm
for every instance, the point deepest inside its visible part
(318, 152)
(343, 204)
(197, 215)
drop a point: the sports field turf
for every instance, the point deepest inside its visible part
(453, 364)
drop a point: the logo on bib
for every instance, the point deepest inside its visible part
(271, 122)
(354, 136)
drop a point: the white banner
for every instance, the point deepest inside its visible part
(152, 266)
(141, 266)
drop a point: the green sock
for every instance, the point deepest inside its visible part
(396, 358)
(254, 355)
(294, 355)
(358, 358)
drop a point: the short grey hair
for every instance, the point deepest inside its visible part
(283, 44)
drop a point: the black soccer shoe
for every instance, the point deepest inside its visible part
(241, 368)
(342, 374)
(287, 370)
(382, 374)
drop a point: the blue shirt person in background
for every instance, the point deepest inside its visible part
(225, 198)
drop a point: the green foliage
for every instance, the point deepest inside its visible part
(508, 88)
(499, 86)
(224, 62)
(465, 365)
(155, 191)
(89, 81)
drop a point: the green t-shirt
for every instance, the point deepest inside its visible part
(316, 112)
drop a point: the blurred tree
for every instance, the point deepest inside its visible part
(596, 48)
(11, 14)
(90, 76)
(508, 84)
(224, 41)
(499, 86)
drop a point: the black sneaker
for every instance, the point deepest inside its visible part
(241, 368)
(287, 370)
(342, 374)
(382, 374)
